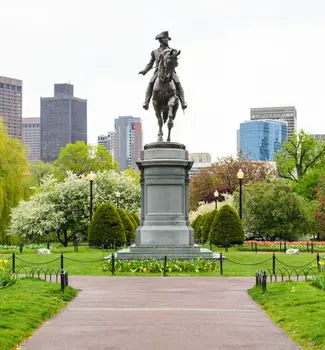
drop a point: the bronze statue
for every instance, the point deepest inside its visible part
(167, 89)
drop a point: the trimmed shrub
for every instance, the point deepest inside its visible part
(106, 228)
(128, 226)
(136, 218)
(205, 233)
(130, 216)
(226, 227)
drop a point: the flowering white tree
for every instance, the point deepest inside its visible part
(63, 207)
(109, 184)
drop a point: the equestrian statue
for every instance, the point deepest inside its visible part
(164, 87)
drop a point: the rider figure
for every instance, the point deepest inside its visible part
(155, 56)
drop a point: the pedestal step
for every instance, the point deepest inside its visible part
(141, 253)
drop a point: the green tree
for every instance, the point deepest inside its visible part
(271, 210)
(226, 227)
(298, 155)
(128, 226)
(308, 184)
(207, 226)
(106, 228)
(83, 159)
(14, 171)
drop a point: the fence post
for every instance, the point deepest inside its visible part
(221, 267)
(165, 266)
(285, 246)
(312, 247)
(273, 263)
(307, 247)
(255, 247)
(21, 247)
(264, 282)
(257, 276)
(62, 262)
(318, 262)
(252, 246)
(280, 246)
(13, 262)
(113, 264)
(48, 245)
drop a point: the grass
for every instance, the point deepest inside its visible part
(96, 256)
(26, 305)
(298, 308)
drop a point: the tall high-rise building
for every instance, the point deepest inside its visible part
(261, 139)
(11, 97)
(288, 114)
(63, 121)
(108, 141)
(128, 141)
(31, 137)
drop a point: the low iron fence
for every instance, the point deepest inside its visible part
(40, 270)
(288, 272)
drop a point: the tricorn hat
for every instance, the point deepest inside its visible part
(163, 35)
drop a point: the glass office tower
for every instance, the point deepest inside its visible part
(261, 139)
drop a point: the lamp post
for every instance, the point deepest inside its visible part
(216, 195)
(240, 177)
(91, 178)
(117, 195)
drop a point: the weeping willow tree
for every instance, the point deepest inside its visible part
(14, 170)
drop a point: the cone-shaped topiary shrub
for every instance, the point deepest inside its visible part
(205, 233)
(226, 227)
(106, 228)
(197, 226)
(130, 216)
(136, 218)
(128, 226)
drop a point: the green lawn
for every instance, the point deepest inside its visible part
(96, 258)
(298, 308)
(26, 305)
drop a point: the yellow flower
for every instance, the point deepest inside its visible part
(5, 261)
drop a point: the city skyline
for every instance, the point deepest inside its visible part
(226, 66)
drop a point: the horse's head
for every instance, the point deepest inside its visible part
(167, 64)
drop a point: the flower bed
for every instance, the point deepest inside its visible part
(157, 266)
(307, 246)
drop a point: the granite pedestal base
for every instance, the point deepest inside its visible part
(164, 229)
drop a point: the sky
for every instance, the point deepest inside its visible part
(235, 54)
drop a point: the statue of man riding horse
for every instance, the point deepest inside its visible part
(164, 85)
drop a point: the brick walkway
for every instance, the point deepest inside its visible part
(160, 313)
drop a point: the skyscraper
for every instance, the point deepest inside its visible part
(31, 137)
(288, 114)
(108, 141)
(261, 139)
(128, 141)
(63, 121)
(11, 105)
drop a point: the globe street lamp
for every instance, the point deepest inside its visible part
(240, 177)
(91, 177)
(216, 195)
(117, 195)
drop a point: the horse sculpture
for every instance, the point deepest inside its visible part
(165, 100)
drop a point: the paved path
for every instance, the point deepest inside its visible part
(153, 313)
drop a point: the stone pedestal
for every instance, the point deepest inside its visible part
(164, 228)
